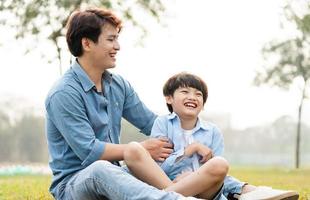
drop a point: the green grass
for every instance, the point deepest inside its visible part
(298, 180)
(25, 187)
(36, 187)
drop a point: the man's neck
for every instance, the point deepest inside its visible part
(94, 73)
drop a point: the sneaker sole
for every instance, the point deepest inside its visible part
(286, 196)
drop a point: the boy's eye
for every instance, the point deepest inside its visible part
(199, 94)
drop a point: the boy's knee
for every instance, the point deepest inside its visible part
(134, 152)
(218, 167)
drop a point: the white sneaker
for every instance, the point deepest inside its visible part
(267, 193)
(189, 198)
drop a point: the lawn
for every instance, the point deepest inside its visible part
(36, 187)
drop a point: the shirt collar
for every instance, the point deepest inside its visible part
(199, 124)
(86, 82)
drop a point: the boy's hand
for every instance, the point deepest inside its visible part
(203, 151)
(159, 148)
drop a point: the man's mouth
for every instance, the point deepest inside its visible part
(113, 55)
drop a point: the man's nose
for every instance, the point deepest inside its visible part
(117, 46)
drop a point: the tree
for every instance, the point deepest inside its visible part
(289, 62)
(45, 20)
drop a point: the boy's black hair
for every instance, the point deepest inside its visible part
(184, 79)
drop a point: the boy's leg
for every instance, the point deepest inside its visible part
(205, 182)
(103, 180)
(142, 166)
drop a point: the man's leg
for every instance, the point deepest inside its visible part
(103, 180)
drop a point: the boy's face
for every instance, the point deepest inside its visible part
(187, 102)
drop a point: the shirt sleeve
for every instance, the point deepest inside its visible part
(160, 129)
(67, 111)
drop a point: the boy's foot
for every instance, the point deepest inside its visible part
(267, 193)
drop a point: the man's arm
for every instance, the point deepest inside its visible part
(159, 148)
(113, 152)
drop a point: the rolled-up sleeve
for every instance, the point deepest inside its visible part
(68, 113)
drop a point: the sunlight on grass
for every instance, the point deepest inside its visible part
(36, 187)
(298, 180)
(25, 187)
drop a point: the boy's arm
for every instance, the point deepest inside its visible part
(159, 133)
(203, 151)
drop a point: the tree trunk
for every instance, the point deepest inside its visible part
(297, 150)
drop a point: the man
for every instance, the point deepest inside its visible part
(83, 117)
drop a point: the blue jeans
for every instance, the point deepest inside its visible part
(103, 180)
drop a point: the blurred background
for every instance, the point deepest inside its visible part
(253, 55)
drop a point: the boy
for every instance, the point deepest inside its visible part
(195, 143)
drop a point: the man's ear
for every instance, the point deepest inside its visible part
(169, 99)
(86, 44)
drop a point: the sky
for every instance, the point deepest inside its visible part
(220, 41)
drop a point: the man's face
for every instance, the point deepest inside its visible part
(105, 50)
(187, 102)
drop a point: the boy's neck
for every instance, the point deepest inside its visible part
(188, 124)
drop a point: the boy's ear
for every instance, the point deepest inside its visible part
(168, 99)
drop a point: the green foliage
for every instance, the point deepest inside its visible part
(289, 60)
(45, 20)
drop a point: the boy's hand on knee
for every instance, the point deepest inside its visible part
(159, 148)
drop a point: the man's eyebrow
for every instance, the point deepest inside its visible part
(113, 36)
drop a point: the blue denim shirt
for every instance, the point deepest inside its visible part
(80, 121)
(206, 133)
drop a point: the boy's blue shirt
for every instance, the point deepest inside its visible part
(80, 121)
(204, 132)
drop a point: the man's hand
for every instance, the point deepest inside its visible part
(203, 151)
(159, 148)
